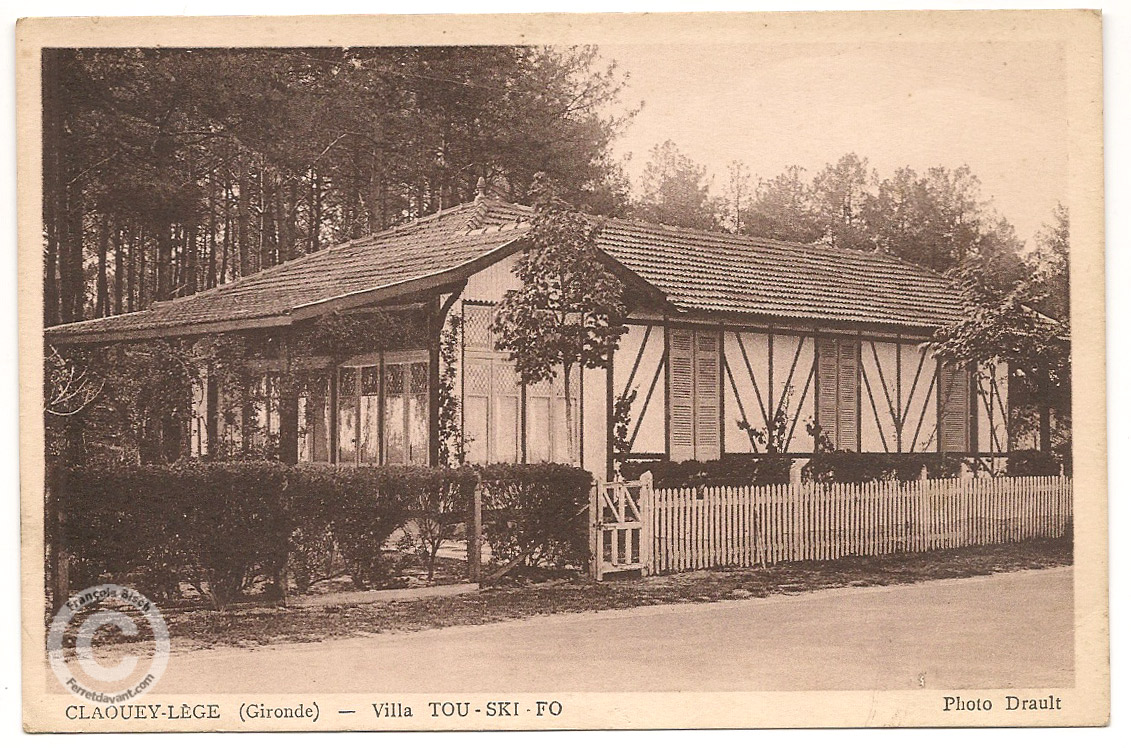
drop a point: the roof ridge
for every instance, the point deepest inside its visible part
(745, 240)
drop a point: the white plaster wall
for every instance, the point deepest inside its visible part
(877, 388)
(920, 401)
(789, 388)
(593, 437)
(756, 349)
(649, 413)
(491, 283)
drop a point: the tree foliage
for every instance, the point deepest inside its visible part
(569, 308)
(936, 219)
(675, 190)
(168, 171)
(1003, 321)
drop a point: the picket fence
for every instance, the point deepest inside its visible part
(684, 529)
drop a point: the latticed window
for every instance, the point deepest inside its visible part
(491, 410)
(383, 412)
(314, 420)
(546, 426)
(477, 320)
(406, 413)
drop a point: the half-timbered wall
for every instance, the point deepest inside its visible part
(862, 391)
(992, 407)
(899, 400)
(639, 373)
(767, 374)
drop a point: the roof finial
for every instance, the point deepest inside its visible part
(481, 189)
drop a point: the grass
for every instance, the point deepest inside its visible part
(250, 627)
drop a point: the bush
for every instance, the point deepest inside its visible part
(730, 470)
(215, 525)
(363, 506)
(857, 467)
(223, 526)
(1032, 462)
(537, 514)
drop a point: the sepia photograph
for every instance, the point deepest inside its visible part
(520, 372)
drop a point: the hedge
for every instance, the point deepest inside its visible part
(536, 514)
(1035, 462)
(223, 526)
(730, 470)
(856, 467)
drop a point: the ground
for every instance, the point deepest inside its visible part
(1006, 630)
(346, 613)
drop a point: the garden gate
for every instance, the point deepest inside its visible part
(618, 513)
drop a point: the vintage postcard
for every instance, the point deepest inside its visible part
(562, 371)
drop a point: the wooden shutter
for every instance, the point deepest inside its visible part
(848, 396)
(681, 444)
(838, 372)
(706, 395)
(954, 408)
(827, 371)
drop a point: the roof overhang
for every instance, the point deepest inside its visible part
(437, 282)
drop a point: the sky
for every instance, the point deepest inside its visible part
(997, 107)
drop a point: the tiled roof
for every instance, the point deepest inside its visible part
(697, 271)
(727, 273)
(411, 252)
(714, 272)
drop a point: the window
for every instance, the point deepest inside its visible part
(694, 394)
(546, 432)
(954, 408)
(491, 410)
(383, 412)
(369, 417)
(263, 399)
(347, 415)
(406, 413)
(838, 396)
(493, 402)
(314, 420)
(477, 318)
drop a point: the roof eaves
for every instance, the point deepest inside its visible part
(409, 285)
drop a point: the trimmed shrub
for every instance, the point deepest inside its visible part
(223, 526)
(215, 525)
(857, 467)
(537, 514)
(730, 470)
(362, 506)
(1032, 462)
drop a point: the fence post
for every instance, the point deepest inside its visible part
(647, 532)
(594, 531)
(475, 533)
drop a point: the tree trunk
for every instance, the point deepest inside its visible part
(102, 291)
(164, 261)
(189, 283)
(131, 270)
(143, 283)
(210, 238)
(73, 282)
(119, 270)
(52, 136)
(566, 371)
(242, 210)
